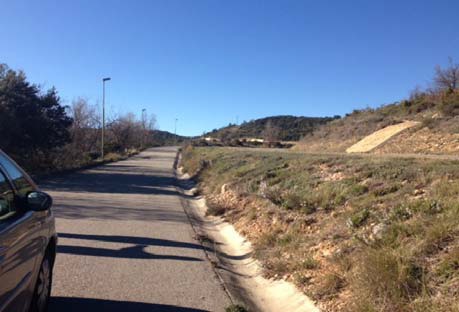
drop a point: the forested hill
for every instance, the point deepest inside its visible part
(164, 138)
(290, 128)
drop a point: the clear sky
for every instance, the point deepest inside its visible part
(208, 62)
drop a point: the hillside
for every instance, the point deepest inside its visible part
(354, 233)
(437, 131)
(163, 138)
(291, 128)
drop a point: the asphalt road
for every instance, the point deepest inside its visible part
(125, 242)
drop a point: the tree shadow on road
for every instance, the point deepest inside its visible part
(67, 304)
(133, 252)
(132, 240)
(80, 209)
(107, 180)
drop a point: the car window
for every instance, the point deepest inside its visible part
(20, 182)
(6, 198)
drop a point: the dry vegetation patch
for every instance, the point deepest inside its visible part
(354, 233)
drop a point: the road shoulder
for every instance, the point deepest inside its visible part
(230, 253)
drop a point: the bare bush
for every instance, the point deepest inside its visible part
(447, 78)
(84, 131)
(128, 132)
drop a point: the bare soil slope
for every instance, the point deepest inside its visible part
(379, 137)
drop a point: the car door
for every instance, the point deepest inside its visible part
(8, 215)
(20, 239)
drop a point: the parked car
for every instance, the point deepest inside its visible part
(27, 241)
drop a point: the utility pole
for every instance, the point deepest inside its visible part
(103, 115)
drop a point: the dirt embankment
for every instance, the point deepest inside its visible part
(372, 141)
(396, 139)
(433, 119)
(422, 141)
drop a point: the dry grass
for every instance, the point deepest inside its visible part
(355, 233)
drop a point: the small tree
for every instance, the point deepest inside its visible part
(448, 78)
(84, 131)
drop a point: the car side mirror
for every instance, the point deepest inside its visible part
(39, 201)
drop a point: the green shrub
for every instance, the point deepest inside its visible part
(429, 207)
(236, 308)
(358, 218)
(292, 200)
(358, 189)
(384, 189)
(401, 213)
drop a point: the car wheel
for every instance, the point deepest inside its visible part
(42, 290)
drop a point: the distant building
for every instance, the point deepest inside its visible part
(211, 139)
(252, 140)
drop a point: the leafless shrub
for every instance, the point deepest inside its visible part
(447, 78)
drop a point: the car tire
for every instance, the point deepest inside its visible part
(42, 291)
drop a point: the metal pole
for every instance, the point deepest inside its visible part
(103, 118)
(103, 115)
(144, 126)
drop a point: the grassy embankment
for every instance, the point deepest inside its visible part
(354, 233)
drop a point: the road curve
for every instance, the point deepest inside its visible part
(125, 242)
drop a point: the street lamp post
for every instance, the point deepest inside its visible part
(103, 114)
(175, 131)
(144, 126)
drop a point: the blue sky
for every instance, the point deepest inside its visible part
(208, 62)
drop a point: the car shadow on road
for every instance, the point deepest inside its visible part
(67, 304)
(133, 252)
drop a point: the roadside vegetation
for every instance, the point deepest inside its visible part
(355, 233)
(44, 135)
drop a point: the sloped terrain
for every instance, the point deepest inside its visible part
(354, 233)
(442, 138)
(436, 114)
(379, 137)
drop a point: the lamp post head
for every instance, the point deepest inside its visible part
(106, 79)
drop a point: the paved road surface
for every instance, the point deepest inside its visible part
(126, 244)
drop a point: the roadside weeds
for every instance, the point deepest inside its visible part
(231, 255)
(354, 233)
